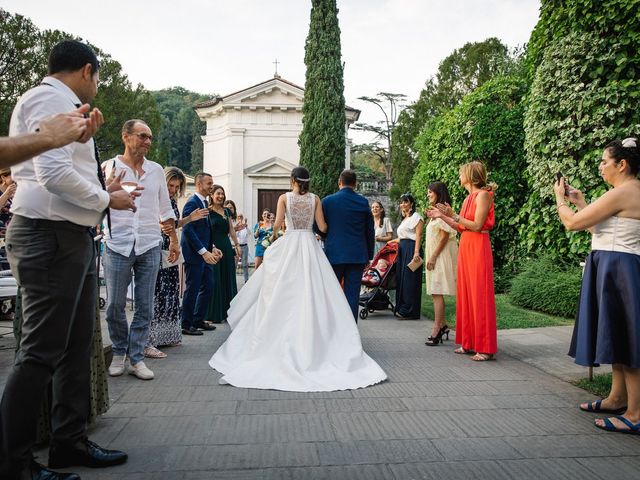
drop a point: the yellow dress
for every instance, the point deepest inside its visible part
(442, 279)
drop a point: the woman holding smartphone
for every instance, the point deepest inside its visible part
(607, 328)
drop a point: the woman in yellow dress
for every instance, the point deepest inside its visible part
(441, 255)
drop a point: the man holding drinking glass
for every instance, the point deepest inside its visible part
(60, 196)
(133, 244)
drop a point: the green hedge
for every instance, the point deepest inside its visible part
(547, 286)
(584, 60)
(486, 126)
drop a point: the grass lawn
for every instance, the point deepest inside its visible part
(509, 316)
(600, 385)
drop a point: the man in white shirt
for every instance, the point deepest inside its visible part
(133, 243)
(60, 196)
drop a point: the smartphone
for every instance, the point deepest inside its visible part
(566, 186)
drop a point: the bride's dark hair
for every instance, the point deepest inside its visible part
(300, 176)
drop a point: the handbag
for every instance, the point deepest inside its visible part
(165, 259)
(415, 264)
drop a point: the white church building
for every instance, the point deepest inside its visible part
(251, 142)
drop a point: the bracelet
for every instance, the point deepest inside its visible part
(456, 218)
(563, 204)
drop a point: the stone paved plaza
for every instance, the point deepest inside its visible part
(439, 416)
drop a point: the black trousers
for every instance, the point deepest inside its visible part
(53, 263)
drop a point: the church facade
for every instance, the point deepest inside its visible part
(251, 142)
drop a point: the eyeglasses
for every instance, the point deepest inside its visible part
(143, 136)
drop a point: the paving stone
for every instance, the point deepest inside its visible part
(105, 430)
(383, 451)
(390, 425)
(218, 392)
(553, 468)
(560, 421)
(481, 470)
(171, 409)
(424, 373)
(617, 468)
(542, 401)
(227, 429)
(158, 393)
(449, 403)
(259, 394)
(494, 423)
(363, 405)
(440, 416)
(285, 405)
(596, 445)
(475, 449)
(355, 472)
(191, 377)
(188, 430)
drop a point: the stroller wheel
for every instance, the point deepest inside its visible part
(102, 303)
(363, 313)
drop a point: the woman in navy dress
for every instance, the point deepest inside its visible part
(409, 283)
(607, 328)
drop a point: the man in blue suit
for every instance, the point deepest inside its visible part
(199, 254)
(350, 238)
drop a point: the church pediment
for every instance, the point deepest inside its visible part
(273, 167)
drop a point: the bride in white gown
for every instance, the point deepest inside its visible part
(292, 328)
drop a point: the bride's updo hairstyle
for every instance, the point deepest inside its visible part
(300, 176)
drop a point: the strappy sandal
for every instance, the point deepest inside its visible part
(596, 407)
(483, 357)
(632, 428)
(462, 351)
(153, 352)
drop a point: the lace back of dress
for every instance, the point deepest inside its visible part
(300, 211)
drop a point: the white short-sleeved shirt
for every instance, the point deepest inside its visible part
(407, 228)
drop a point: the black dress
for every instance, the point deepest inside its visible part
(165, 328)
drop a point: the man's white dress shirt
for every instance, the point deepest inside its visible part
(60, 184)
(140, 229)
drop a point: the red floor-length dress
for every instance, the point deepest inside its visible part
(475, 297)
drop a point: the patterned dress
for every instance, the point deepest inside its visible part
(165, 328)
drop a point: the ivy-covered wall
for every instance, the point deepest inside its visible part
(486, 126)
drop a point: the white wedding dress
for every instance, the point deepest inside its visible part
(292, 328)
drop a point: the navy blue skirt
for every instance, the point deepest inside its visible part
(408, 283)
(607, 328)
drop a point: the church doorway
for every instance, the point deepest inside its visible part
(268, 198)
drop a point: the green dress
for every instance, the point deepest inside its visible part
(224, 272)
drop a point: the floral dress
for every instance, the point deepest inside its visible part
(263, 234)
(165, 328)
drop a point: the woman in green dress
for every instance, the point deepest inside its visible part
(224, 272)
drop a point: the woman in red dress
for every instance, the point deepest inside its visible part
(476, 329)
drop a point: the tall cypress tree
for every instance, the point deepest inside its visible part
(322, 141)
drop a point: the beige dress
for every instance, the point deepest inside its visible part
(442, 279)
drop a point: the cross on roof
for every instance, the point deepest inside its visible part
(276, 64)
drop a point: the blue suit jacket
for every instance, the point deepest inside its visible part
(350, 235)
(195, 235)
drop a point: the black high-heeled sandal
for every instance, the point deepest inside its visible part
(443, 331)
(434, 341)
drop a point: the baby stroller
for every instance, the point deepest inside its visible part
(378, 279)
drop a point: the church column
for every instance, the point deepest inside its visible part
(235, 191)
